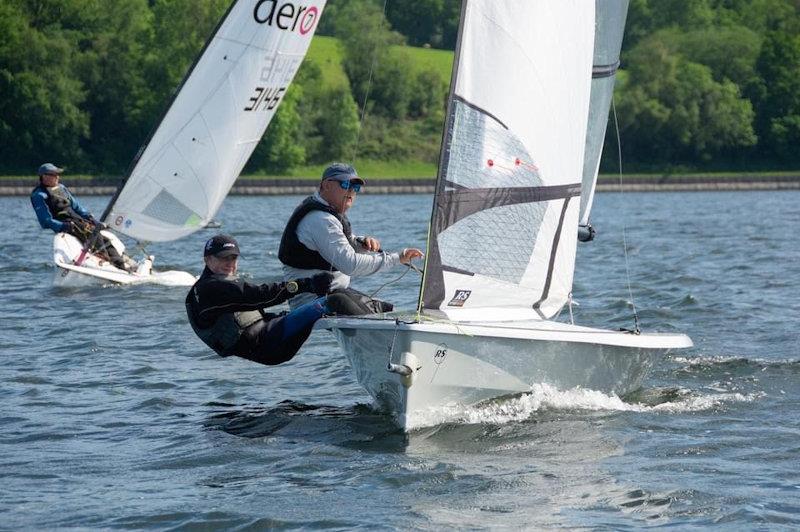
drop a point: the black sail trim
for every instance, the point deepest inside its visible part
(551, 264)
(452, 269)
(481, 110)
(469, 201)
(604, 71)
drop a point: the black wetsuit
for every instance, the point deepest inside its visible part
(228, 315)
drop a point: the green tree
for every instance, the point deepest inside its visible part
(40, 111)
(180, 30)
(368, 62)
(730, 52)
(337, 126)
(778, 96)
(672, 110)
(281, 147)
(420, 21)
(116, 41)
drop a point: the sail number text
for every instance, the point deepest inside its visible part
(265, 98)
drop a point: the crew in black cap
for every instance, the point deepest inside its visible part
(318, 237)
(230, 315)
(57, 209)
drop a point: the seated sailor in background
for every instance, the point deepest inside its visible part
(57, 209)
(318, 238)
(229, 314)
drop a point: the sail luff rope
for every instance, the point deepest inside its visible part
(366, 94)
(624, 235)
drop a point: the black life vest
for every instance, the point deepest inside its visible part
(224, 334)
(59, 201)
(294, 253)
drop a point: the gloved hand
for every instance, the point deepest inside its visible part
(320, 283)
(68, 226)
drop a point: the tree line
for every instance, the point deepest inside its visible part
(705, 84)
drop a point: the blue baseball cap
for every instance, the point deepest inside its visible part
(49, 168)
(221, 246)
(341, 172)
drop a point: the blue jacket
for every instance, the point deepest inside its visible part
(39, 200)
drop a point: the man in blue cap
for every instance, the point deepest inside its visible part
(230, 315)
(57, 209)
(318, 237)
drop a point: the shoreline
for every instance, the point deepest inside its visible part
(299, 186)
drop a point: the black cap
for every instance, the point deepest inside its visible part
(221, 246)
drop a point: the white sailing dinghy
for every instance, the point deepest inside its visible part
(180, 177)
(527, 113)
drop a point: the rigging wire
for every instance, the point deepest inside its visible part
(366, 93)
(392, 281)
(624, 224)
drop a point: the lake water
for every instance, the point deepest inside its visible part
(116, 416)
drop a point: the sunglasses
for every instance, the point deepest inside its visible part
(347, 185)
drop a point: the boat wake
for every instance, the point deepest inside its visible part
(735, 363)
(544, 398)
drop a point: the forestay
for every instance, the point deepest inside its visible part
(505, 215)
(224, 105)
(610, 26)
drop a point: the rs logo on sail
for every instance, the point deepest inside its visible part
(459, 298)
(286, 15)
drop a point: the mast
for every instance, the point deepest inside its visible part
(432, 251)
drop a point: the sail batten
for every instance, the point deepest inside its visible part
(502, 229)
(225, 103)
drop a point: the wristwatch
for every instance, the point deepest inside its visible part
(292, 287)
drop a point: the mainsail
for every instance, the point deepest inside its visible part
(506, 207)
(610, 26)
(224, 105)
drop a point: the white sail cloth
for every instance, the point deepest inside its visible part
(212, 127)
(506, 208)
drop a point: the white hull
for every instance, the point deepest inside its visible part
(457, 365)
(74, 267)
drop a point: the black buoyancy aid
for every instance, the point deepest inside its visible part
(224, 334)
(59, 202)
(294, 253)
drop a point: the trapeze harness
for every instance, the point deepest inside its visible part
(59, 201)
(224, 334)
(294, 253)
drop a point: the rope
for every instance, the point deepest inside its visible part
(366, 93)
(624, 223)
(394, 338)
(384, 285)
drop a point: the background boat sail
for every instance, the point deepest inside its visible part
(527, 112)
(182, 174)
